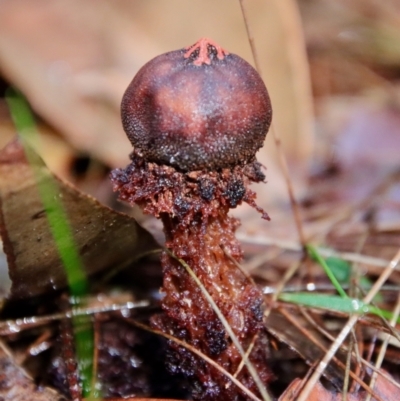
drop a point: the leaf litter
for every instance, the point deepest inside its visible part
(350, 207)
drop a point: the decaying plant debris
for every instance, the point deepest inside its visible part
(348, 202)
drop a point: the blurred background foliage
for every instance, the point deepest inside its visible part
(332, 69)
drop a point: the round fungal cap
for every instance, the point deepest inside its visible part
(198, 108)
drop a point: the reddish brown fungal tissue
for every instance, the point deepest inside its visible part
(202, 46)
(196, 127)
(196, 109)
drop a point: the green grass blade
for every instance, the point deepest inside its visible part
(61, 230)
(314, 254)
(334, 303)
(49, 193)
(341, 269)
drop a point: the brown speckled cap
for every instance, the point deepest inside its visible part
(197, 109)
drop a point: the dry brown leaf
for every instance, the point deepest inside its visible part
(294, 331)
(81, 57)
(104, 238)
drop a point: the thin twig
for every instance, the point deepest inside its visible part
(280, 287)
(242, 362)
(276, 136)
(289, 185)
(250, 37)
(8, 327)
(252, 370)
(326, 252)
(296, 324)
(346, 330)
(244, 271)
(389, 327)
(365, 362)
(96, 349)
(384, 346)
(198, 353)
(346, 381)
(38, 346)
(268, 290)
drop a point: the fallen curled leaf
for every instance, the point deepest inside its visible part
(86, 73)
(16, 385)
(103, 237)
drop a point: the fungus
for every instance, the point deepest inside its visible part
(196, 118)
